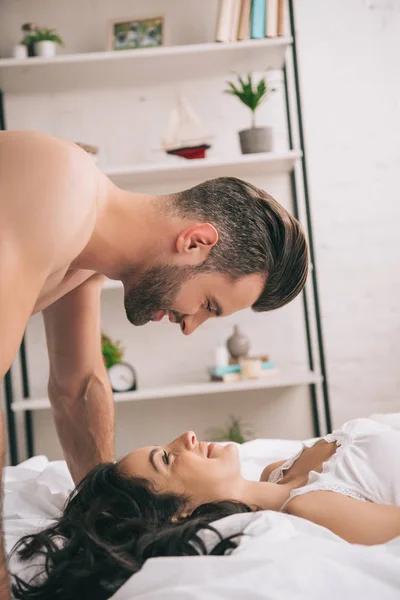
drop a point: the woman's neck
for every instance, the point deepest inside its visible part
(264, 495)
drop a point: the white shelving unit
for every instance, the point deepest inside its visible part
(112, 284)
(79, 72)
(139, 67)
(180, 169)
(197, 389)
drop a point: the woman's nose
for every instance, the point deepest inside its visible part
(190, 440)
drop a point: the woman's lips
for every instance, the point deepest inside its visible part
(210, 449)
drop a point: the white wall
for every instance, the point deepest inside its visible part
(350, 87)
(349, 55)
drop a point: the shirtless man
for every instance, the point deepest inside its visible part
(220, 247)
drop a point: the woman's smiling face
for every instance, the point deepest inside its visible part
(200, 471)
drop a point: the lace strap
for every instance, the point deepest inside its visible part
(326, 488)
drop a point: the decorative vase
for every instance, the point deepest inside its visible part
(19, 51)
(250, 368)
(256, 139)
(45, 49)
(238, 344)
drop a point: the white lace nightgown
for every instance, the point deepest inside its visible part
(365, 466)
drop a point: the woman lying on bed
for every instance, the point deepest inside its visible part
(155, 501)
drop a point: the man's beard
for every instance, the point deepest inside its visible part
(155, 291)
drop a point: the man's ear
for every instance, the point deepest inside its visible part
(193, 245)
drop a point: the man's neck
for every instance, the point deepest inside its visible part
(129, 230)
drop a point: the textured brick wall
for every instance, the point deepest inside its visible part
(349, 59)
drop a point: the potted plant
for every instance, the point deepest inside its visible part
(255, 139)
(113, 352)
(44, 41)
(235, 431)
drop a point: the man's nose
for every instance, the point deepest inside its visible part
(193, 322)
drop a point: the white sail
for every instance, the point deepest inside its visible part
(185, 127)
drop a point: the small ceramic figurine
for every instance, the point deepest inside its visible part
(238, 344)
(27, 30)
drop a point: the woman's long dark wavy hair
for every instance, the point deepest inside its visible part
(110, 526)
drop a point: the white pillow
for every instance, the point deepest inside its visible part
(392, 419)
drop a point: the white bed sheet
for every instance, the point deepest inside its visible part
(282, 557)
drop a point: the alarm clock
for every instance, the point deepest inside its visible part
(122, 377)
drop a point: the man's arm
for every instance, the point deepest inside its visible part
(355, 521)
(20, 284)
(79, 389)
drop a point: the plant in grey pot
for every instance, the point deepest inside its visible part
(44, 42)
(255, 139)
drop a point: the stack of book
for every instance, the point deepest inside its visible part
(250, 19)
(232, 372)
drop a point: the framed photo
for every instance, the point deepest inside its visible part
(136, 33)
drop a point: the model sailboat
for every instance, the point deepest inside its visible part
(186, 134)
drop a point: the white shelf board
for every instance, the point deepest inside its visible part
(179, 169)
(145, 66)
(197, 389)
(111, 284)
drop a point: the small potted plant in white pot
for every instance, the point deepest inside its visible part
(44, 42)
(255, 139)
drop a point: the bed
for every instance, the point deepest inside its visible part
(281, 557)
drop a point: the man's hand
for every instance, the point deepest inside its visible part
(79, 389)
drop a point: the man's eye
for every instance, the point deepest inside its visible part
(166, 458)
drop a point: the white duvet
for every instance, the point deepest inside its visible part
(281, 557)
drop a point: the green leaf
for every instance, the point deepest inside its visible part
(113, 352)
(252, 95)
(43, 34)
(235, 431)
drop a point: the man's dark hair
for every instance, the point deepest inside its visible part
(256, 235)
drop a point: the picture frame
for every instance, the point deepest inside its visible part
(136, 33)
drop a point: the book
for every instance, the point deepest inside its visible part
(235, 20)
(244, 20)
(271, 18)
(258, 19)
(281, 17)
(224, 20)
(233, 377)
(219, 371)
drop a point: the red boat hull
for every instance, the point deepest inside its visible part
(189, 153)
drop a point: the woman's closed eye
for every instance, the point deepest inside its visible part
(165, 458)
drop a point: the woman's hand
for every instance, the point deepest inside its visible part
(269, 468)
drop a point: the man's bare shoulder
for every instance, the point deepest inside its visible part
(36, 144)
(33, 157)
(48, 191)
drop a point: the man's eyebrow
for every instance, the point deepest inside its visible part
(151, 459)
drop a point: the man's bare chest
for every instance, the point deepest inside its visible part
(59, 284)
